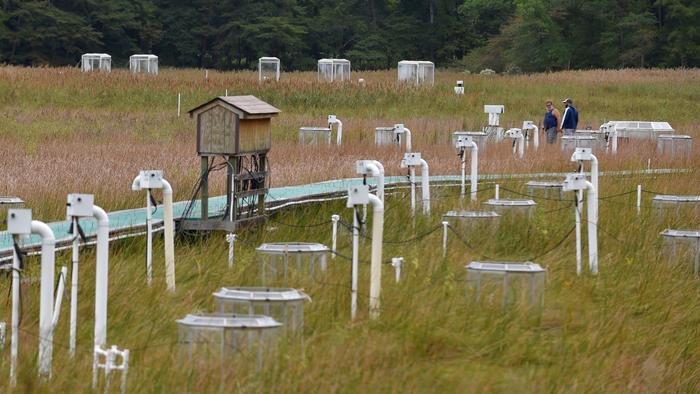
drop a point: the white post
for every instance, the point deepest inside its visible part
(425, 186)
(149, 239)
(48, 245)
(169, 235)
(444, 238)
(464, 172)
(178, 104)
(226, 93)
(639, 199)
(334, 234)
(74, 288)
(206, 74)
(412, 178)
(231, 239)
(592, 228)
(577, 209)
(375, 287)
(355, 263)
(101, 275)
(397, 262)
(475, 170)
(14, 338)
(59, 296)
(497, 191)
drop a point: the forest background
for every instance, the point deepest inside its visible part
(505, 35)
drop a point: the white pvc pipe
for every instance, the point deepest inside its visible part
(407, 132)
(339, 133)
(577, 212)
(412, 179)
(497, 191)
(149, 239)
(464, 172)
(475, 171)
(376, 262)
(444, 238)
(169, 235)
(14, 338)
(521, 145)
(334, 234)
(425, 185)
(594, 171)
(592, 228)
(59, 296)
(48, 245)
(397, 263)
(639, 199)
(377, 170)
(178, 105)
(74, 288)
(101, 275)
(355, 263)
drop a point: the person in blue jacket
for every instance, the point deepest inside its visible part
(569, 120)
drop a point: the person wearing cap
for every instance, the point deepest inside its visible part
(570, 119)
(551, 122)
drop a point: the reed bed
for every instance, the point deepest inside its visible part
(632, 328)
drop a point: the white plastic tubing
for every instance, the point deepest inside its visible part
(376, 169)
(517, 135)
(101, 275)
(474, 175)
(425, 185)
(46, 302)
(168, 230)
(339, 134)
(530, 125)
(375, 287)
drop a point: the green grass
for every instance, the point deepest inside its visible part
(632, 328)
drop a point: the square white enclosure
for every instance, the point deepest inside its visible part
(685, 208)
(386, 136)
(331, 70)
(675, 145)
(220, 338)
(506, 283)
(285, 305)
(682, 246)
(640, 129)
(417, 72)
(505, 206)
(314, 135)
(571, 142)
(269, 69)
(96, 62)
(143, 64)
(285, 262)
(6, 203)
(473, 225)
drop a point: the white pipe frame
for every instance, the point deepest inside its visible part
(376, 261)
(530, 125)
(168, 232)
(517, 135)
(474, 175)
(334, 234)
(46, 302)
(101, 275)
(425, 185)
(332, 119)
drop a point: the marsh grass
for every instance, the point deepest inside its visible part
(633, 328)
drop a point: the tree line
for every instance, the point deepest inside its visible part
(504, 35)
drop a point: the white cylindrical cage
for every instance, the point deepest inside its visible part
(476, 226)
(314, 135)
(331, 70)
(506, 283)
(416, 72)
(571, 142)
(641, 129)
(269, 69)
(143, 64)
(682, 246)
(285, 305)
(674, 208)
(505, 205)
(96, 62)
(675, 145)
(386, 136)
(285, 261)
(220, 338)
(550, 189)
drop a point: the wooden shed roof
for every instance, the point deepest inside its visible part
(248, 105)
